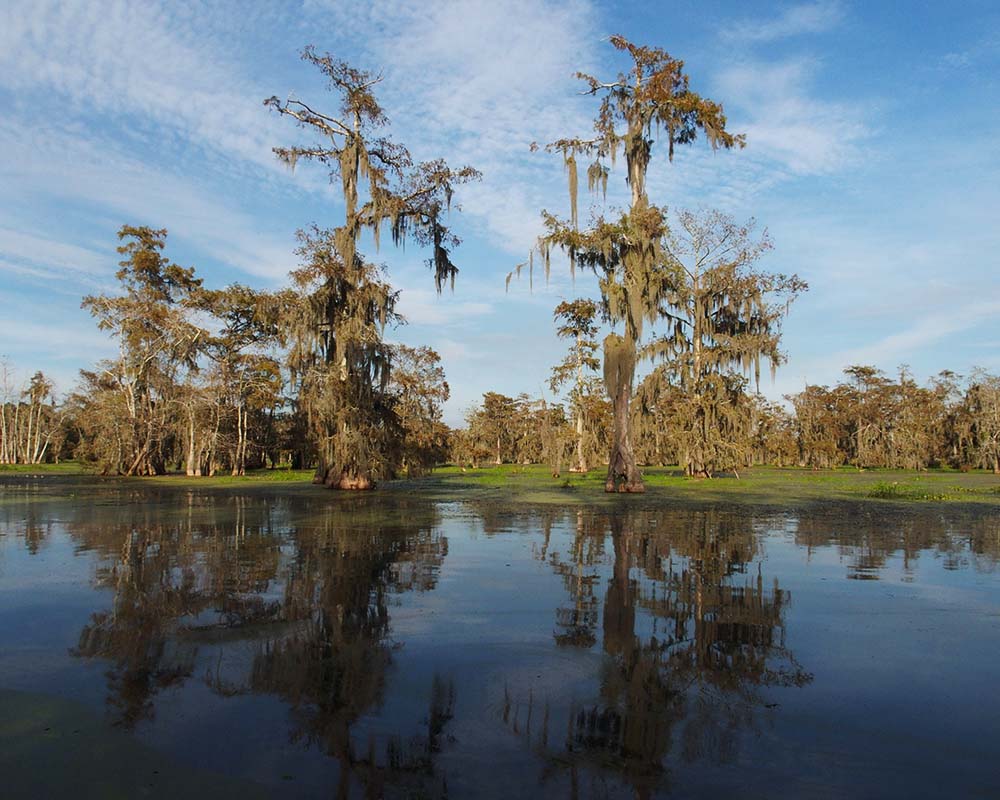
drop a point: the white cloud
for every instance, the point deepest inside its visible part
(99, 176)
(786, 123)
(797, 20)
(161, 67)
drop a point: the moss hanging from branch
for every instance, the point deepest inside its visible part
(334, 322)
(650, 102)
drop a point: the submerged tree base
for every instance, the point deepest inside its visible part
(623, 474)
(625, 482)
(333, 479)
(625, 487)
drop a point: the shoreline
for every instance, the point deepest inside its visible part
(760, 487)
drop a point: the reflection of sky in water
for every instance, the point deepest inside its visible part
(402, 647)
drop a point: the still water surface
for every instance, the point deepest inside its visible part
(172, 643)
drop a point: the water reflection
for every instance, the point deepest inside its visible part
(867, 541)
(676, 622)
(689, 627)
(690, 633)
(312, 599)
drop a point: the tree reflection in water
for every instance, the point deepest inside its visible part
(294, 600)
(711, 636)
(314, 602)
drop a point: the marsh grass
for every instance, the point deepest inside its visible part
(62, 468)
(666, 486)
(770, 486)
(893, 490)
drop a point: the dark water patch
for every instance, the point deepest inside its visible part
(390, 646)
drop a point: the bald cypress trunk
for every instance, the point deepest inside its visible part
(619, 373)
(623, 474)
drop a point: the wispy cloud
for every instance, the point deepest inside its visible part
(929, 329)
(985, 50)
(153, 65)
(909, 344)
(786, 122)
(95, 173)
(796, 20)
(426, 307)
(46, 258)
(774, 100)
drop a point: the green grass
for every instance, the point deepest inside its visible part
(761, 486)
(62, 468)
(893, 490)
(255, 476)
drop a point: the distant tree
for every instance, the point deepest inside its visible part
(917, 424)
(723, 318)
(650, 102)
(494, 424)
(819, 427)
(127, 403)
(577, 322)
(245, 374)
(29, 419)
(983, 404)
(418, 384)
(946, 386)
(867, 400)
(772, 434)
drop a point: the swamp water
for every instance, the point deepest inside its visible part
(174, 643)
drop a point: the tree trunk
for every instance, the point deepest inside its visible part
(17, 433)
(581, 462)
(623, 474)
(191, 458)
(26, 457)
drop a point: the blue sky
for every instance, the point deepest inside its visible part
(873, 159)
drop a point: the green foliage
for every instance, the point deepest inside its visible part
(419, 388)
(577, 321)
(886, 490)
(722, 316)
(514, 430)
(341, 364)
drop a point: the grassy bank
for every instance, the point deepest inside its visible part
(62, 468)
(761, 486)
(769, 486)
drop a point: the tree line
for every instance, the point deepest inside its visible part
(204, 381)
(235, 378)
(867, 420)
